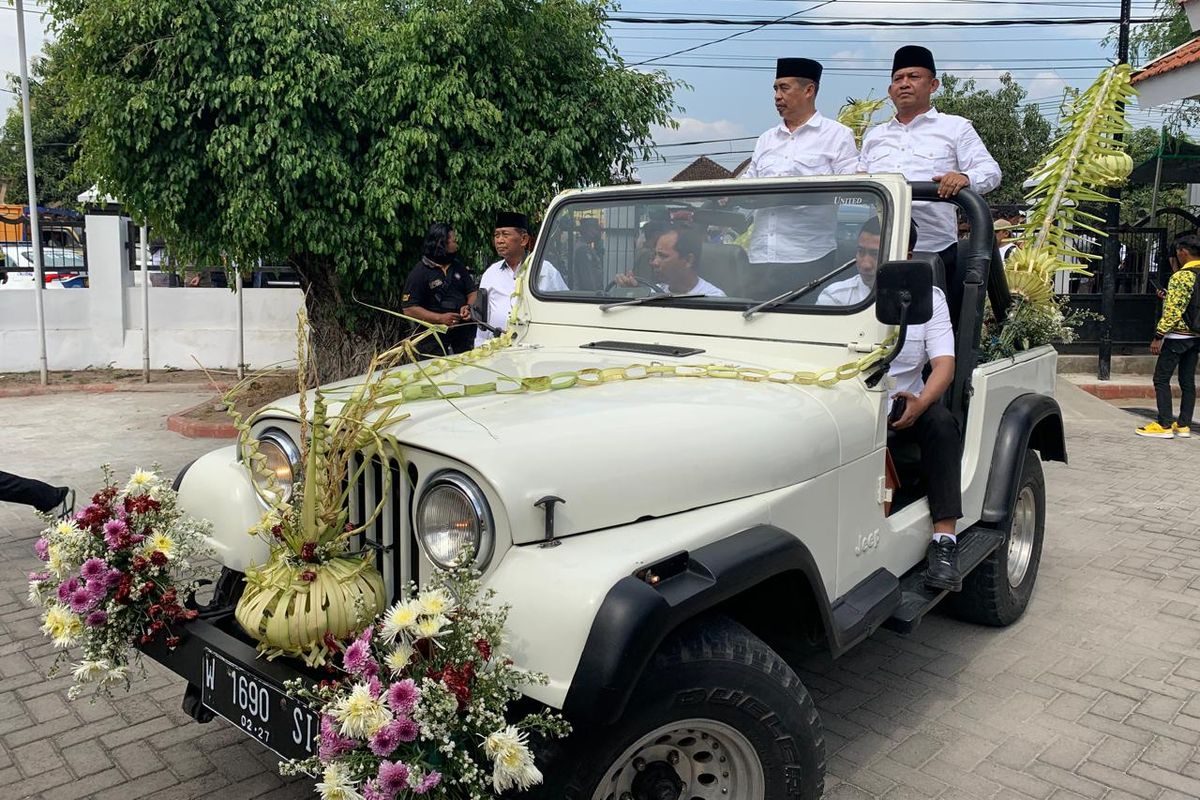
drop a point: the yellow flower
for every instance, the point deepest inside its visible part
(55, 563)
(140, 481)
(359, 713)
(66, 528)
(63, 627)
(162, 543)
(435, 602)
(400, 618)
(430, 627)
(398, 659)
(336, 784)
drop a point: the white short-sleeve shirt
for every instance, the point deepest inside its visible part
(702, 287)
(799, 234)
(501, 281)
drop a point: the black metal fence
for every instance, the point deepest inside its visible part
(62, 241)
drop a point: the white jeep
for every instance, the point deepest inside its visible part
(711, 493)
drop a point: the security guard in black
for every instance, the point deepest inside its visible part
(444, 293)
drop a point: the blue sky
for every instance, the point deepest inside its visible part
(730, 95)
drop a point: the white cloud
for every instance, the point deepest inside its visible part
(693, 130)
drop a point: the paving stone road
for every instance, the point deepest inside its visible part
(1093, 694)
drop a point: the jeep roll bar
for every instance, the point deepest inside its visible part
(978, 263)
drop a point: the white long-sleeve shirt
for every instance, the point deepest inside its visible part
(501, 281)
(797, 234)
(932, 144)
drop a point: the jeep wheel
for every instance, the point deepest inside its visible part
(999, 589)
(718, 714)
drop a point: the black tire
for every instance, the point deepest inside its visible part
(715, 672)
(988, 597)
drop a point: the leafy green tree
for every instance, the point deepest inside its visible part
(55, 138)
(1150, 40)
(331, 133)
(1017, 136)
(1136, 198)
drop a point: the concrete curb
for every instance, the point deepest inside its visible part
(199, 429)
(34, 390)
(1116, 391)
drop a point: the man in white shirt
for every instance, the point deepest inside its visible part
(676, 256)
(924, 145)
(511, 240)
(792, 245)
(916, 413)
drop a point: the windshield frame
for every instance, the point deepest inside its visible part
(590, 199)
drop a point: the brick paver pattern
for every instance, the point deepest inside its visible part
(1093, 694)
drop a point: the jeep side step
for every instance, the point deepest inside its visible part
(916, 599)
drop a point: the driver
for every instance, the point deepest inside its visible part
(676, 256)
(924, 419)
(511, 240)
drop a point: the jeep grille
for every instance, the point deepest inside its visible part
(389, 536)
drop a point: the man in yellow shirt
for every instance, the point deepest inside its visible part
(1177, 346)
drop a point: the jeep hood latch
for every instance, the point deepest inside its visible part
(547, 504)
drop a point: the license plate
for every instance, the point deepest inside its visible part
(263, 711)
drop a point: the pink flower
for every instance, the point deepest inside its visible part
(81, 600)
(406, 729)
(403, 695)
(356, 657)
(95, 619)
(42, 549)
(114, 533)
(427, 783)
(393, 777)
(137, 538)
(97, 589)
(332, 743)
(38, 577)
(94, 569)
(386, 740)
(66, 589)
(371, 791)
(374, 686)
(113, 578)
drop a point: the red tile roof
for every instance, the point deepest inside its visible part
(702, 169)
(1188, 53)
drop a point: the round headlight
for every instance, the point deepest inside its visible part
(282, 461)
(453, 519)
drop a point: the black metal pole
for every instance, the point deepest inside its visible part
(1112, 224)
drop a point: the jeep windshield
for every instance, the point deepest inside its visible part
(715, 249)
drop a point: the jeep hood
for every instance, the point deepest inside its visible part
(630, 449)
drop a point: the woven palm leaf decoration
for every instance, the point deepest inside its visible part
(1086, 158)
(857, 115)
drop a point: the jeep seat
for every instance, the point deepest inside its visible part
(725, 266)
(935, 264)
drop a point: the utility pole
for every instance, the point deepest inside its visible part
(1112, 225)
(35, 229)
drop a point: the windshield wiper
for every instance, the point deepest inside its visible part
(790, 295)
(650, 298)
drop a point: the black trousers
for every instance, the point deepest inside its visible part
(940, 439)
(1181, 354)
(29, 492)
(772, 279)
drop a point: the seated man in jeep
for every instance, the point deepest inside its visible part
(676, 257)
(915, 411)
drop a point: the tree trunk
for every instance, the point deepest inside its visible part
(344, 333)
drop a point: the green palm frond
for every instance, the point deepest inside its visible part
(1086, 158)
(857, 115)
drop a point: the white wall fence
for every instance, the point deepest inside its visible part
(102, 324)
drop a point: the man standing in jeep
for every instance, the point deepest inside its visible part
(924, 145)
(916, 413)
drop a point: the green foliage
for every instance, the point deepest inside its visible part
(1032, 324)
(1015, 135)
(333, 132)
(55, 137)
(1135, 198)
(1150, 40)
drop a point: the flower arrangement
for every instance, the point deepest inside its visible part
(1030, 324)
(420, 708)
(116, 574)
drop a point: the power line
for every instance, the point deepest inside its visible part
(854, 23)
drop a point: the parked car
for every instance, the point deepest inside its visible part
(667, 544)
(62, 268)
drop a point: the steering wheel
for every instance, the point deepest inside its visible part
(639, 281)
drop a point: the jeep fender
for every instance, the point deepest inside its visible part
(1032, 420)
(638, 614)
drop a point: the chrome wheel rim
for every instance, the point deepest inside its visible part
(710, 758)
(1021, 536)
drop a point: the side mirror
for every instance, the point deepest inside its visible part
(479, 307)
(904, 293)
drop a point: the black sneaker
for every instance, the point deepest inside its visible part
(67, 506)
(942, 569)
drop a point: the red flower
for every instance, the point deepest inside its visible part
(333, 644)
(146, 588)
(191, 613)
(139, 563)
(146, 638)
(169, 595)
(277, 532)
(156, 626)
(154, 610)
(158, 558)
(458, 681)
(484, 648)
(308, 552)
(308, 575)
(173, 642)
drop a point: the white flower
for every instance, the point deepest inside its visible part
(435, 602)
(162, 543)
(513, 765)
(399, 657)
(359, 713)
(87, 671)
(35, 593)
(400, 618)
(431, 627)
(140, 481)
(63, 627)
(337, 785)
(55, 561)
(118, 673)
(66, 528)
